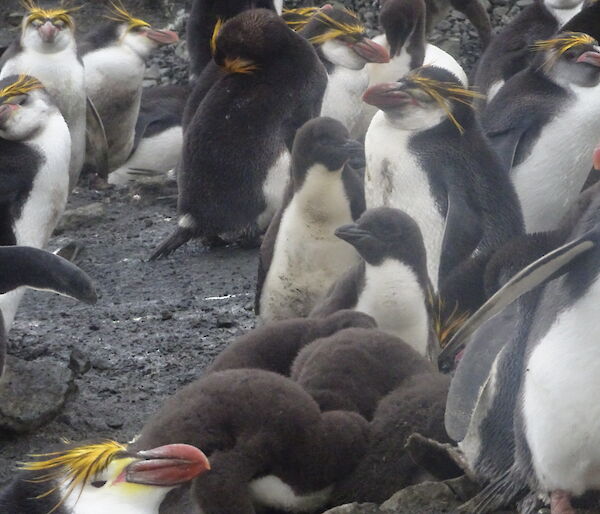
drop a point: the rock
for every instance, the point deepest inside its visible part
(356, 508)
(451, 45)
(425, 498)
(79, 217)
(224, 321)
(32, 393)
(79, 362)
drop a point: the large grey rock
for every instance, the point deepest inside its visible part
(80, 217)
(32, 393)
(425, 498)
(356, 508)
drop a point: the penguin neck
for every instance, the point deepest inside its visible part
(394, 296)
(562, 16)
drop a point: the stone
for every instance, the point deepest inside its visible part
(451, 45)
(356, 508)
(80, 217)
(32, 393)
(424, 498)
(79, 362)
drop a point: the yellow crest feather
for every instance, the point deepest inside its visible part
(445, 325)
(239, 65)
(120, 14)
(337, 28)
(442, 91)
(215, 34)
(37, 13)
(73, 466)
(298, 18)
(561, 44)
(23, 85)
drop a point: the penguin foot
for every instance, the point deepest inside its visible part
(70, 251)
(560, 503)
(167, 247)
(213, 241)
(443, 461)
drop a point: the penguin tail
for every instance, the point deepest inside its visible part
(504, 491)
(169, 245)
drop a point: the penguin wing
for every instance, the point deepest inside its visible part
(8, 53)
(266, 256)
(550, 266)
(96, 144)
(343, 294)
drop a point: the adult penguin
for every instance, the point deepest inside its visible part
(300, 257)
(425, 155)
(560, 88)
(204, 15)
(114, 58)
(47, 51)
(236, 155)
(497, 424)
(35, 149)
(509, 52)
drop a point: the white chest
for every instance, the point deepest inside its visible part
(551, 177)
(274, 188)
(342, 100)
(272, 492)
(112, 71)
(395, 178)
(560, 399)
(393, 296)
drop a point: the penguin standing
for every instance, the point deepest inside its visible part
(47, 51)
(236, 155)
(510, 50)
(204, 15)
(35, 149)
(114, 58)
(426, 155)
(391, 284)
(300, 256)
(548, 165)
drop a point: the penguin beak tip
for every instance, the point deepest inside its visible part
(371, 51)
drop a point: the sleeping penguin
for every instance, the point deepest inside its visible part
(300, 257)
(548, 165)
(47, 51)
(35, 151)
(236, 155)
(427, 155)
(114, 58)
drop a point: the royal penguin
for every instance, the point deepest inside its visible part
(522, 414)
(509, 51)
(244, 127)
(158, 134)
(404, 37)
(114, 58)
(391, 282)
(35, 151)
(204, 15)
(427, 155)
(300, 256)
(343, 46)
(274, 346)
(47, 51)
(355, 368)
(548, 165)
(102, 477)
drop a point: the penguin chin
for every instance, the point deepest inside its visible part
(31, 39)
(25, 121)
(139, 44)
(417, 118)
(341, 54)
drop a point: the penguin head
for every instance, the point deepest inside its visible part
(423, 99)
(24, 107)
(323, 145)
(47, 30)
(136, 34)
(569, 58)
(338, 36)
(399, 18)
(384, 233)
(105, 477)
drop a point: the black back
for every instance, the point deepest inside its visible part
(102, 36)
(404, 24)
(22, 496)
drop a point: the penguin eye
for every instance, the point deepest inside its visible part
(37, 23)
(58, 23)
(98, 483)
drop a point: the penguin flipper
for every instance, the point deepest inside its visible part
(95, 141)
(550, 266)
(169, 245)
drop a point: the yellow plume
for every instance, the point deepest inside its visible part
(445, 325)
(336, 28)
(74, 466)
(23, 85)
(298, 18)
(37, 13)
(561, 44)
(215, 34)
(239, 65)
(442, 91)
(120, 14)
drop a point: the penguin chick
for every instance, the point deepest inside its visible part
(391, 284)
(235, 160)
(204, 15)
(548, 165)
(114, 57)
(274, 346)
(509, 51)
(35, 149)
(300, 257)
(47, 51)
(343, 46)
(100, 478)
(425, 155)
(268, 443)
(355, 368)
(416, 406)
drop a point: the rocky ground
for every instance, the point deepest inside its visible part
(156, 325)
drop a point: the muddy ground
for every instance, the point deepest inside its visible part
(155, 327)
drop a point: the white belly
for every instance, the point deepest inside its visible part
(343, 96)
(392, 295)
(271, 491)
(394, 178)
(560, 401)
(274, 188)
(549, 181)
